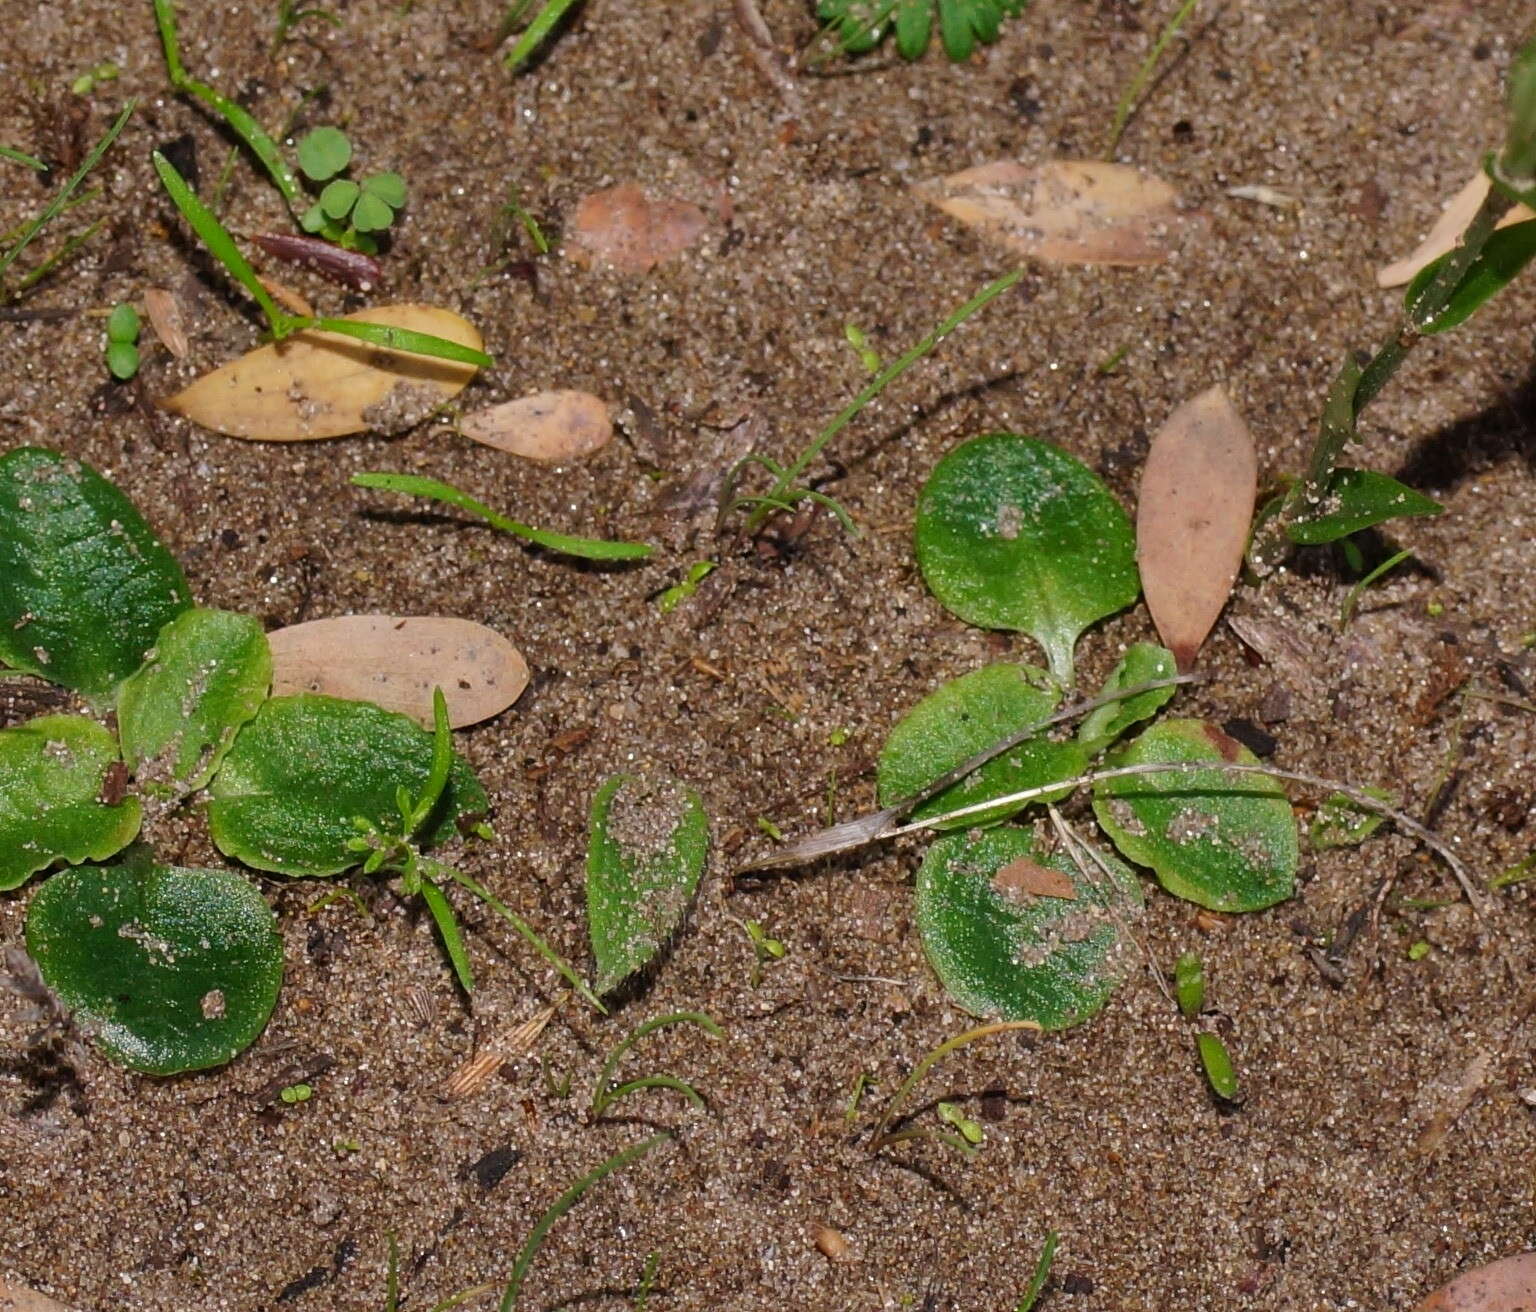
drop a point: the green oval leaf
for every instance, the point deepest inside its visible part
(84, 584)
(645, 852)
(1506, 252)
(177, 716)
(1013, 533)
(339, 197)
(1003, 944)
(323, 153)
(1144, 662)
(1223, 840)
(52, 773)
(388, 187)
(966, 716)
(1356, 499)
(168, 969)
(371, 214)
(298, 775)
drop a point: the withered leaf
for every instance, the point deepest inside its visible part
(548, 426)
(1023, 876)
(1192, 518)
(1508, 1285)
(624, 227)
(318, 384)
(1068, 211)
(163, 311)
(1447, 231)
(396, 662)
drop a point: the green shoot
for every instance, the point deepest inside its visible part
(1515, 874)
(21, 157)
(1418, 950)
(647, 1279)
(347, 212)
(604, 1096)
(122, 349)
(1386, 566)
(535, 33)
(392, 1276)
(1217, 1066)
(785, 492)
(868, 356)
(970, 1130)
(1042, 1273)
(764, 949)
(513, 209)
(1189, 985)
(88, 81)
(1144, 74)
(289, 16)
(586, 548)
(861, 1081)
(671, 598)
(881, 1138)
(58, 203)
(562, 1205)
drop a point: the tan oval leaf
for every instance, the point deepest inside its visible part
(163, 311)
(323, 385)
(627, 229)
(1447, 231)
(397, 661)
(547, 426)
(18, 1298)
(1068, 211)
(1192, 518)
(1508, 1285)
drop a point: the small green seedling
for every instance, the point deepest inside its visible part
(296, 1093)
(289, 16)
(605, 1093)
(671, 598)
(1217, 1065)
(1418, 950)
(868, 356)
(952, 1114)
(92, 78)
(861, 25)
(350, 213)
(122, 349)
(764, 949)
(1189, 985)
(1144, 75)
(1042, 1273)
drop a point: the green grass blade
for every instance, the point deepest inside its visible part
(932, 1059)
(217, 240)
(392, 1277)
(1390, 563)
(562, 1205)
(649, 1082)
(448, 927)
(442, 763)
(54, 206)
(464, 1295)
(533, 36)
(59, 256)
(587, 548)
(1042, 1272)
(404, 339)
(21, 157)
(655, 1023)
(1144, 74)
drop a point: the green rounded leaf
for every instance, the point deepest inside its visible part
(1356, 499)
(371, 214)
(84, 585)
(645, 851)
(339, 197)
(123, 323)
(966, 716)
(323, 153)
(1013, 533)
(177, 716)
(1005, 945)
(286, 796)
(1144, 662)
(313, 219)
(52, 773)
(168, 969)
(122, 360)
(388, 187)
(1223, 840)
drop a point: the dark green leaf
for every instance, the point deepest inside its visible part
(1224, 840)
(297, 775)
(1013, 533)
(168, 969)
(1003, 949)
(1357, 499)
(914, 26)
(955, 30)
(52, 772)
(1145, 662)
(1502, 258)
(177, 716)
(84, 585)
(964, 717)
(1218, 1066)
(1189, 985)
(645, 851)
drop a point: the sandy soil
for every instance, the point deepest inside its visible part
(1317, 1192)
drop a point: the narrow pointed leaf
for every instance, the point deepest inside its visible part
(1500, 261)
(1357, 499)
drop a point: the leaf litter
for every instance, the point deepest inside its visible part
(550, 427)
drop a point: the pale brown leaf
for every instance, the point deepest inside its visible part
(1068, 211)
(474, 1073)
(624, 227)
(317, 385)
(1508, 1285)
(295, 302)
(1022, 876)
(1447, 231)
(396, 662)
(18, 1298)
(1192, 518)
(163, 311)
(548, 426)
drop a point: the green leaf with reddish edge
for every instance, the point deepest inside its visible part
(966, 716)
(178, 714)
(1144, 662)
(1002, 950)
(168, 969)
(52, 772)
(1014, 533)
(300, 773)
(84, 584)
(645, 852)
(1357, 499)
(1223, 840)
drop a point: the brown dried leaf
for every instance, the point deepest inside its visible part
(1192, 518)
(1067, 211)
(396, 662)
(292, 300)
(18, 1298)
(1447, 231)
(548, 426)
(1023, 876)
(163, 311)
(317, 384)
(1508, 1285)
(474, 1073)
(627, 229)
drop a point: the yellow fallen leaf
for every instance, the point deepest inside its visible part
(317, 384)
(1067, 211)
(1447, 231)
(396, 662)
(547, 426)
